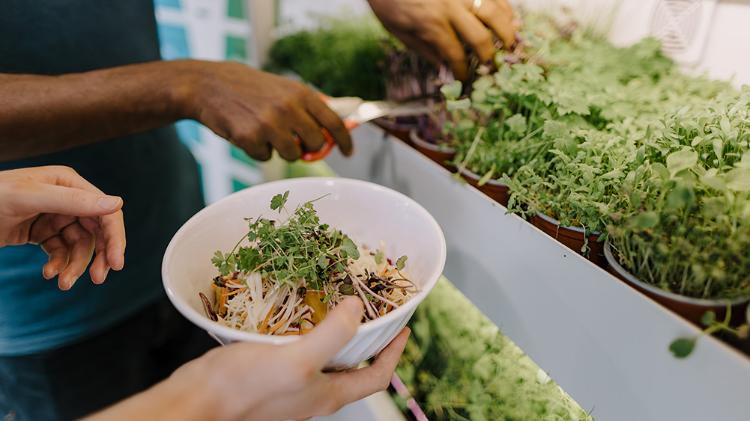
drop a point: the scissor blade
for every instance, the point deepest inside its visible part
(370, 110)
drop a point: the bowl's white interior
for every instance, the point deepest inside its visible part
(368, 213)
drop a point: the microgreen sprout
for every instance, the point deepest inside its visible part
(684, 346)
(303, 248)
(619, 142)
(283, 277)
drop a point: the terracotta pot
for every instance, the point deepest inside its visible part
(572, 237)
(496, 190)
(443, 155)
(690, 308)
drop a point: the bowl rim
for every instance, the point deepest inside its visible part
(213, 327)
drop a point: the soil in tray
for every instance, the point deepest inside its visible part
(441, 154)
(497, 191)
(691, 309)
(573, 238)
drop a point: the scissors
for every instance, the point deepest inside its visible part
(355, 111)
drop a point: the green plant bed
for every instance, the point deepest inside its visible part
(458, 366)
(683, 223)
(355, 56)
(618, 141)
(344, 57)
(562, 127)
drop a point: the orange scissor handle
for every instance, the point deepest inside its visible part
(322, 152)
(328, 146)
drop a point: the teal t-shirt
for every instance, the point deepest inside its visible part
(154, 173)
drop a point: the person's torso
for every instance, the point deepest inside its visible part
(153, 172)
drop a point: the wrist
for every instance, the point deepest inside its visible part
(183, 400)
(184, 81)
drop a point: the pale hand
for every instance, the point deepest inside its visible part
(245, 381)
(68, 217)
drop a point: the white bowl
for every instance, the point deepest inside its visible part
(367, 212)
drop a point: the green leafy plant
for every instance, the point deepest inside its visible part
(347, 56)
(683, 221)
(562, 126)
(463, 368)
(619, 142)
(343, 57)
(683, 347)
(303, 248)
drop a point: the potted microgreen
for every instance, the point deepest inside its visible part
(569, 191)
(493, 134)
(578, 144)
(683, 231)
(407, 77)
(496, 126)
(430, 138)
(504, 106)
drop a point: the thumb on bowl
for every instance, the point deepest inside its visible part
(336, 330)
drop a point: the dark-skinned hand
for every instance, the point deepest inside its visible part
(435, 28)
(259, 111)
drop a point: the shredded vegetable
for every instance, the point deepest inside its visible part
(283, 278)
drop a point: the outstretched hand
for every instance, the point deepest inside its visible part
(68, 217)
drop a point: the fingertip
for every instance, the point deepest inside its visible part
(348, 144)
(116, 258)
(289, 150)
(63, 284)
(109, 203)
(96, 272)
(459, 70)
(402, 337)
(348, 150)
(100, 276)
(117, 263)
(353, 306)
(397, 345)
(49, 271)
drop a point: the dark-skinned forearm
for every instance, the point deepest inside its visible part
(43, 114)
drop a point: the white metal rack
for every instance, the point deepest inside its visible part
(602, 341)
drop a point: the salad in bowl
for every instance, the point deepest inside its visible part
(268, 263)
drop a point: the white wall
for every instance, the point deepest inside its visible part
(726, 54)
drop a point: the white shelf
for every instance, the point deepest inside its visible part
(602, 341)
(377, 407)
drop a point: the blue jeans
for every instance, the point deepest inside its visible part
(81, 378)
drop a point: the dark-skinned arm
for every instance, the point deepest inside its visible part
(255, 110)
